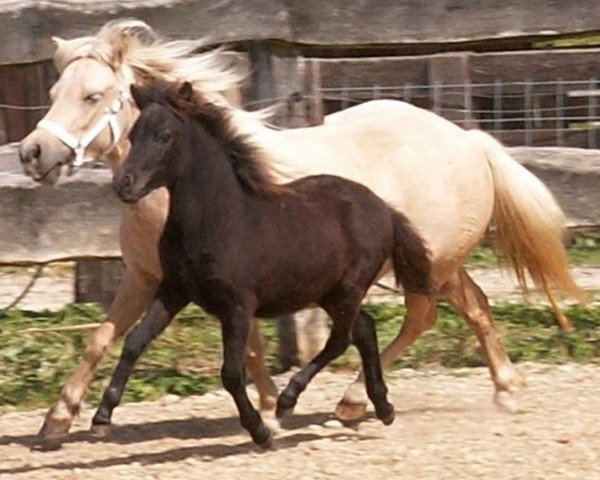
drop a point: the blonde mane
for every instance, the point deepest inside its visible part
(129, 43)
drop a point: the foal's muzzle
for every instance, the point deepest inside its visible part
(124, 185)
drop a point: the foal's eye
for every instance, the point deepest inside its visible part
(164, 136)
(93, 98)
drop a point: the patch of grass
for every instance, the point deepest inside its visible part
(186, 359)
(584, 251)
(570, 41)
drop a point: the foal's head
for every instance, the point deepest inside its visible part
(156, 142)
(175, 125)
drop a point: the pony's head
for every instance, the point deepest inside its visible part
(155, 142)
(91, 111)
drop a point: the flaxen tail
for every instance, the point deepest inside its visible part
(529, 225)
(412, 265)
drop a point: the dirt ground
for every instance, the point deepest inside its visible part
(447, 427)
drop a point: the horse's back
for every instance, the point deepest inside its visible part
(418, 162)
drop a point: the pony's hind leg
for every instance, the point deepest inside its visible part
(364, 336)
(420, 314)
(466, 296)
(132, 298)
(162, 310)
(257, 367)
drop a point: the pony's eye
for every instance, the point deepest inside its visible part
(164, 136)
(93, 98)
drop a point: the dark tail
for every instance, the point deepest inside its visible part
(412, 265)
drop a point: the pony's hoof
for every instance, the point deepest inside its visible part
(506, 401)
(53, 429)
(347, 411)
(100, 430)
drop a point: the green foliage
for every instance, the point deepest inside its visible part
(584, 250)
(186, 359)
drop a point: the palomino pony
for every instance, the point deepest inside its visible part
(241, 246)
(451, 183)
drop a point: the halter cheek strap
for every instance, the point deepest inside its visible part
(79, 145)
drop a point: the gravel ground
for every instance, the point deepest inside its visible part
(446, 428)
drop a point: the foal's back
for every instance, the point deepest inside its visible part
(318, 232)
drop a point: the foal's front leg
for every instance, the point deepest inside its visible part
(235, 325)
(164, 307)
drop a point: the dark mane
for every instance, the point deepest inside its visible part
(242, 152)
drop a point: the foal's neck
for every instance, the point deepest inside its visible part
(206, 190)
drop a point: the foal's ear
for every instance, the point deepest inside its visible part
(140, 96)
(186, 92)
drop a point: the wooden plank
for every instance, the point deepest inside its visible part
(381, 71)
(38, 224)
(535, 65)
(541, 138)
(25, 30)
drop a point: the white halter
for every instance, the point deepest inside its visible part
(79, 145)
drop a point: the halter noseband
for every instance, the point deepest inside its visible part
(79, 145)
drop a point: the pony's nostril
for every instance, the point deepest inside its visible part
(30, 154)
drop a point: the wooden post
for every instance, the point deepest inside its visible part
(450, 73)
(97, 280)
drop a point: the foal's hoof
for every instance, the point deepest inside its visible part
(100, 430)
(285, 405)
(283, 411)
(264, 439)
(387, 418)
(347, 411)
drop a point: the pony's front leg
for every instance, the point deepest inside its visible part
(164, 307)
(132, 297)
(235, 325)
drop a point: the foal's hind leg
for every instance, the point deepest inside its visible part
(466, 296)
(132, 298)
(420, 314)
(164, 307)
(342, 306)
(364, 336)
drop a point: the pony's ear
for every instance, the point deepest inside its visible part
(186, 92)
(58, 42)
